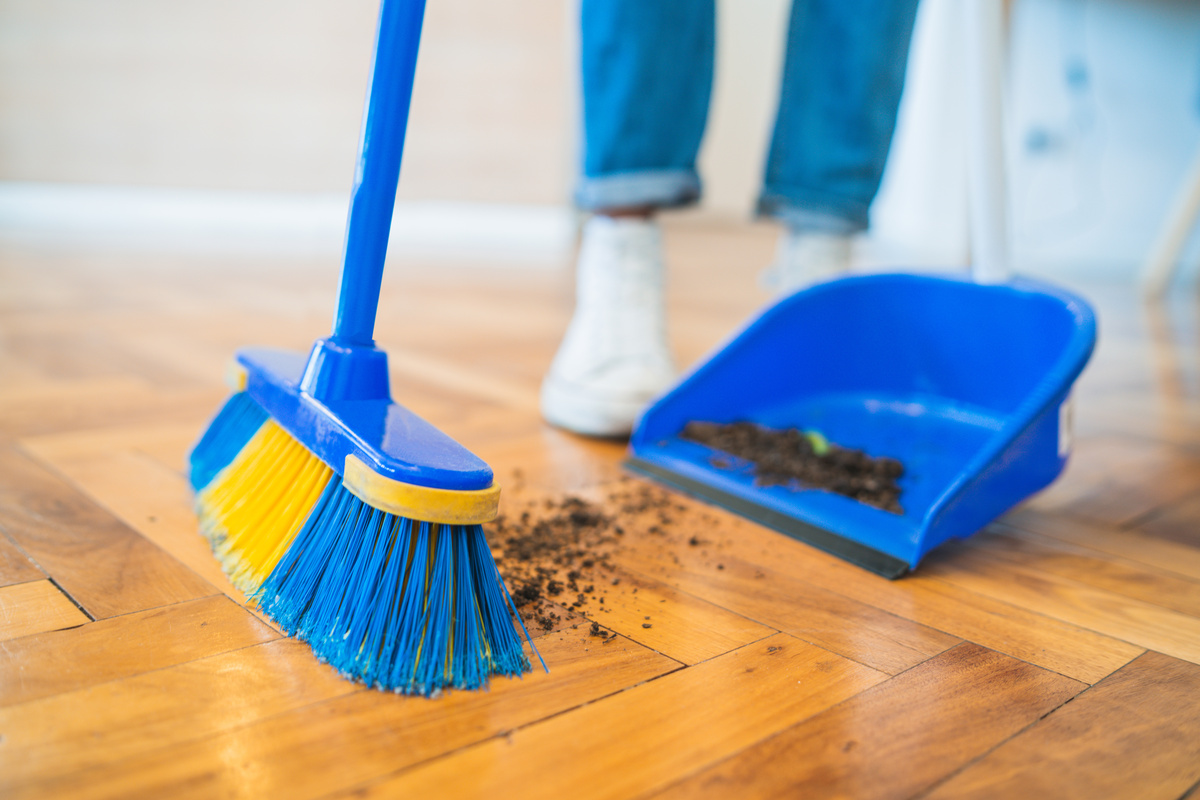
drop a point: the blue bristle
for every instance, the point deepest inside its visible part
(402, 605)
(496, 609)
(232, 427)
(379, 625)
(473, 671)
(431, 665)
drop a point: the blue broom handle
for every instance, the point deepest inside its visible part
(378, 170)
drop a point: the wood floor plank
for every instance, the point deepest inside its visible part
(1177, 522)
(1023, 584)
(314, 751)
(105, 566)
(47, 664)
(674, 597)
(674, 623)
(49, 393)
(98, 402)
(1131, 544)
(481, 425)
(680, 554)
(554, 460)
(896, 739)
(858, 631)
(15, 566)
(1152, 474)
(69, 732)
(1084, 749)
(98, 355)
(146, 496)
(644, 738)
(167, 444)
(1069, 649)
(36, 607)
(177, 352)
(1090, 567)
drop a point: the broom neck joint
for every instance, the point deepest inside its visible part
(338, 370)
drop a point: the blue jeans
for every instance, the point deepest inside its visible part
(647, 79)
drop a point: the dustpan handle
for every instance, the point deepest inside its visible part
(984, 22)
(378, 171)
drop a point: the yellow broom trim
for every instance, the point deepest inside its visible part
(236, 376)
(445, 506)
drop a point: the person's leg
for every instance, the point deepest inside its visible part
(842, 80)
(647, 77)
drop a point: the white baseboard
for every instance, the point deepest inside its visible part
(274, 224)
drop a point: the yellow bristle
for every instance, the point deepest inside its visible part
(252, 509)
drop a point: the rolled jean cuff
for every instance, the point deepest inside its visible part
(805, 213)
(667, 188)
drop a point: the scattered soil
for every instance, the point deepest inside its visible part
(555, 553)
(787, 458)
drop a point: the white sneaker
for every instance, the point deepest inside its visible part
(804, 258)
(614, 358)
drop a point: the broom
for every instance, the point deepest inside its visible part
(350, 521)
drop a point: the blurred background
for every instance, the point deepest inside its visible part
(231, 126)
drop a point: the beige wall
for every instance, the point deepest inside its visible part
(267, 95)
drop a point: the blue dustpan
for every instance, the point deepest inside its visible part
(966, 384)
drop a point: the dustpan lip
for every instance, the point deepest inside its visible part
(881, 562)
(1083, 313)
(1080, 348)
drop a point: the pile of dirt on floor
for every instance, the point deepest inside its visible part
(790, 458)
(558, 551)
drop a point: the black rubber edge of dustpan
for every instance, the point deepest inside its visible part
(860, 555)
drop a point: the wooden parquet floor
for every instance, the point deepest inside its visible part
(1055, 655)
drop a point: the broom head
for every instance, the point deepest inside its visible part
(354, 524)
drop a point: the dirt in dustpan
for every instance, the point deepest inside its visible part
(803, 460)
